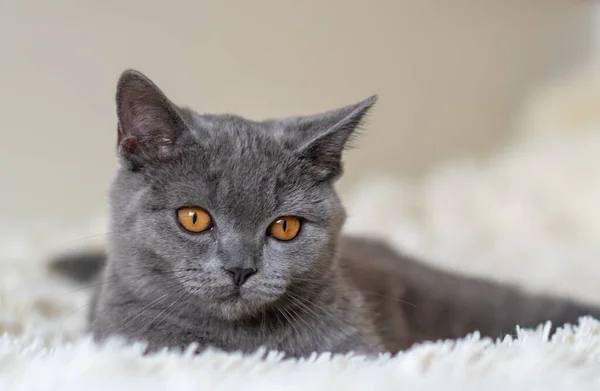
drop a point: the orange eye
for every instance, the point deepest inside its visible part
(194, 219)
(285, 228)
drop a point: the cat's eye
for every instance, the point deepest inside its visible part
(285, 228)
(194, 219)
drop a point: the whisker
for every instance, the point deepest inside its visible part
(328, 313)
(315, 317)
(297, 334)
(149, 273)
(182, 296)
(62, 323)
(263, 322)
(69, 242)
(147, 306)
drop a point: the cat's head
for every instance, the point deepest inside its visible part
(226, 212)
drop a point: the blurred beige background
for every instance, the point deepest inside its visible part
(451, 78)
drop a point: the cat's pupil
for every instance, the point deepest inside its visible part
(194, 218)
(284, 225)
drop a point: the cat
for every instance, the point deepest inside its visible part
(226, 233)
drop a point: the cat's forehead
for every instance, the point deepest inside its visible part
(233, 155)
(222, 126)
(232, 143)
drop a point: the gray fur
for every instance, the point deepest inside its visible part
(170, 286)
(317, 292)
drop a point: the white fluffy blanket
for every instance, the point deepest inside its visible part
(528, 215)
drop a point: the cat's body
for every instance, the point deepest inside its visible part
(236, 283)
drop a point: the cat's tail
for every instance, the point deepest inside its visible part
(80, 266)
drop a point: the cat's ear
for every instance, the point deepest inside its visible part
(324, 137)
(149, 124)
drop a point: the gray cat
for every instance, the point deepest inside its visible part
(226, 233)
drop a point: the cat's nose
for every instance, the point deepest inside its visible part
(240, 275)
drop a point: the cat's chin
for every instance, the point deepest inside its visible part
(238, 310)
(238, 306)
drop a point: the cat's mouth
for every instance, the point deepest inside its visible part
(236, 306)
(242, 302)
(230, 302)
(236, 294)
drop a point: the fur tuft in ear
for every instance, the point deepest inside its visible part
(149, 124)
(325, 136)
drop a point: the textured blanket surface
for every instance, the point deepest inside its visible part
(528, 215)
